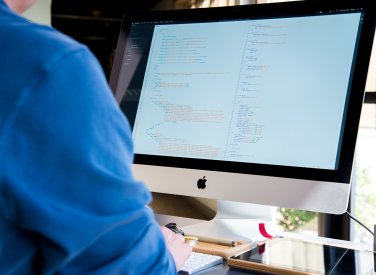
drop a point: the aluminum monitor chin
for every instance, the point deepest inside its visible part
(257, 103)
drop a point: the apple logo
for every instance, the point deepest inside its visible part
(201, 183)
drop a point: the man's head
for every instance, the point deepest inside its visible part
(20, 6)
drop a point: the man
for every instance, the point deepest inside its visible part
(68, 201)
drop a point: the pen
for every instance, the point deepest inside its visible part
(193, 240)
(219, 241)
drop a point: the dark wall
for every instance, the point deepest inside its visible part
(105, 8)
(95, 23)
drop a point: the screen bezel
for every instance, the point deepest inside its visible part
(261, 11)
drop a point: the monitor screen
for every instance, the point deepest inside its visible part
(246, 98)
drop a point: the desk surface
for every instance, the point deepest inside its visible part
(345, 262)
(224, 269)
(164, 219)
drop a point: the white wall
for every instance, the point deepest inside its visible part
(40, 12)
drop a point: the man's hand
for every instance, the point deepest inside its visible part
(177, 247)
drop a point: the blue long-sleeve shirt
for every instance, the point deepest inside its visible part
(68, 200)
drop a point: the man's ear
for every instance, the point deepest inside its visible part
(20, 6)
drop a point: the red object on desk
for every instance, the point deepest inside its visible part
(263, 231)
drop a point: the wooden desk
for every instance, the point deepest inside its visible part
(224, 269)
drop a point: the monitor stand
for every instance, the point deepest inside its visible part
(234, 221)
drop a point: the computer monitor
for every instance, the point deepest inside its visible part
(257, 103)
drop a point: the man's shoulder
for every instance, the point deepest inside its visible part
(46, 42)
(27, 52)
(29, 43)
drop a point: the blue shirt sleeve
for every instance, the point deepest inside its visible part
(67, 191)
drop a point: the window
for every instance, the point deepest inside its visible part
(364, 184)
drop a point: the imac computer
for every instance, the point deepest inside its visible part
(257, 104)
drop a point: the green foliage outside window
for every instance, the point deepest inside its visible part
(292, 219)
